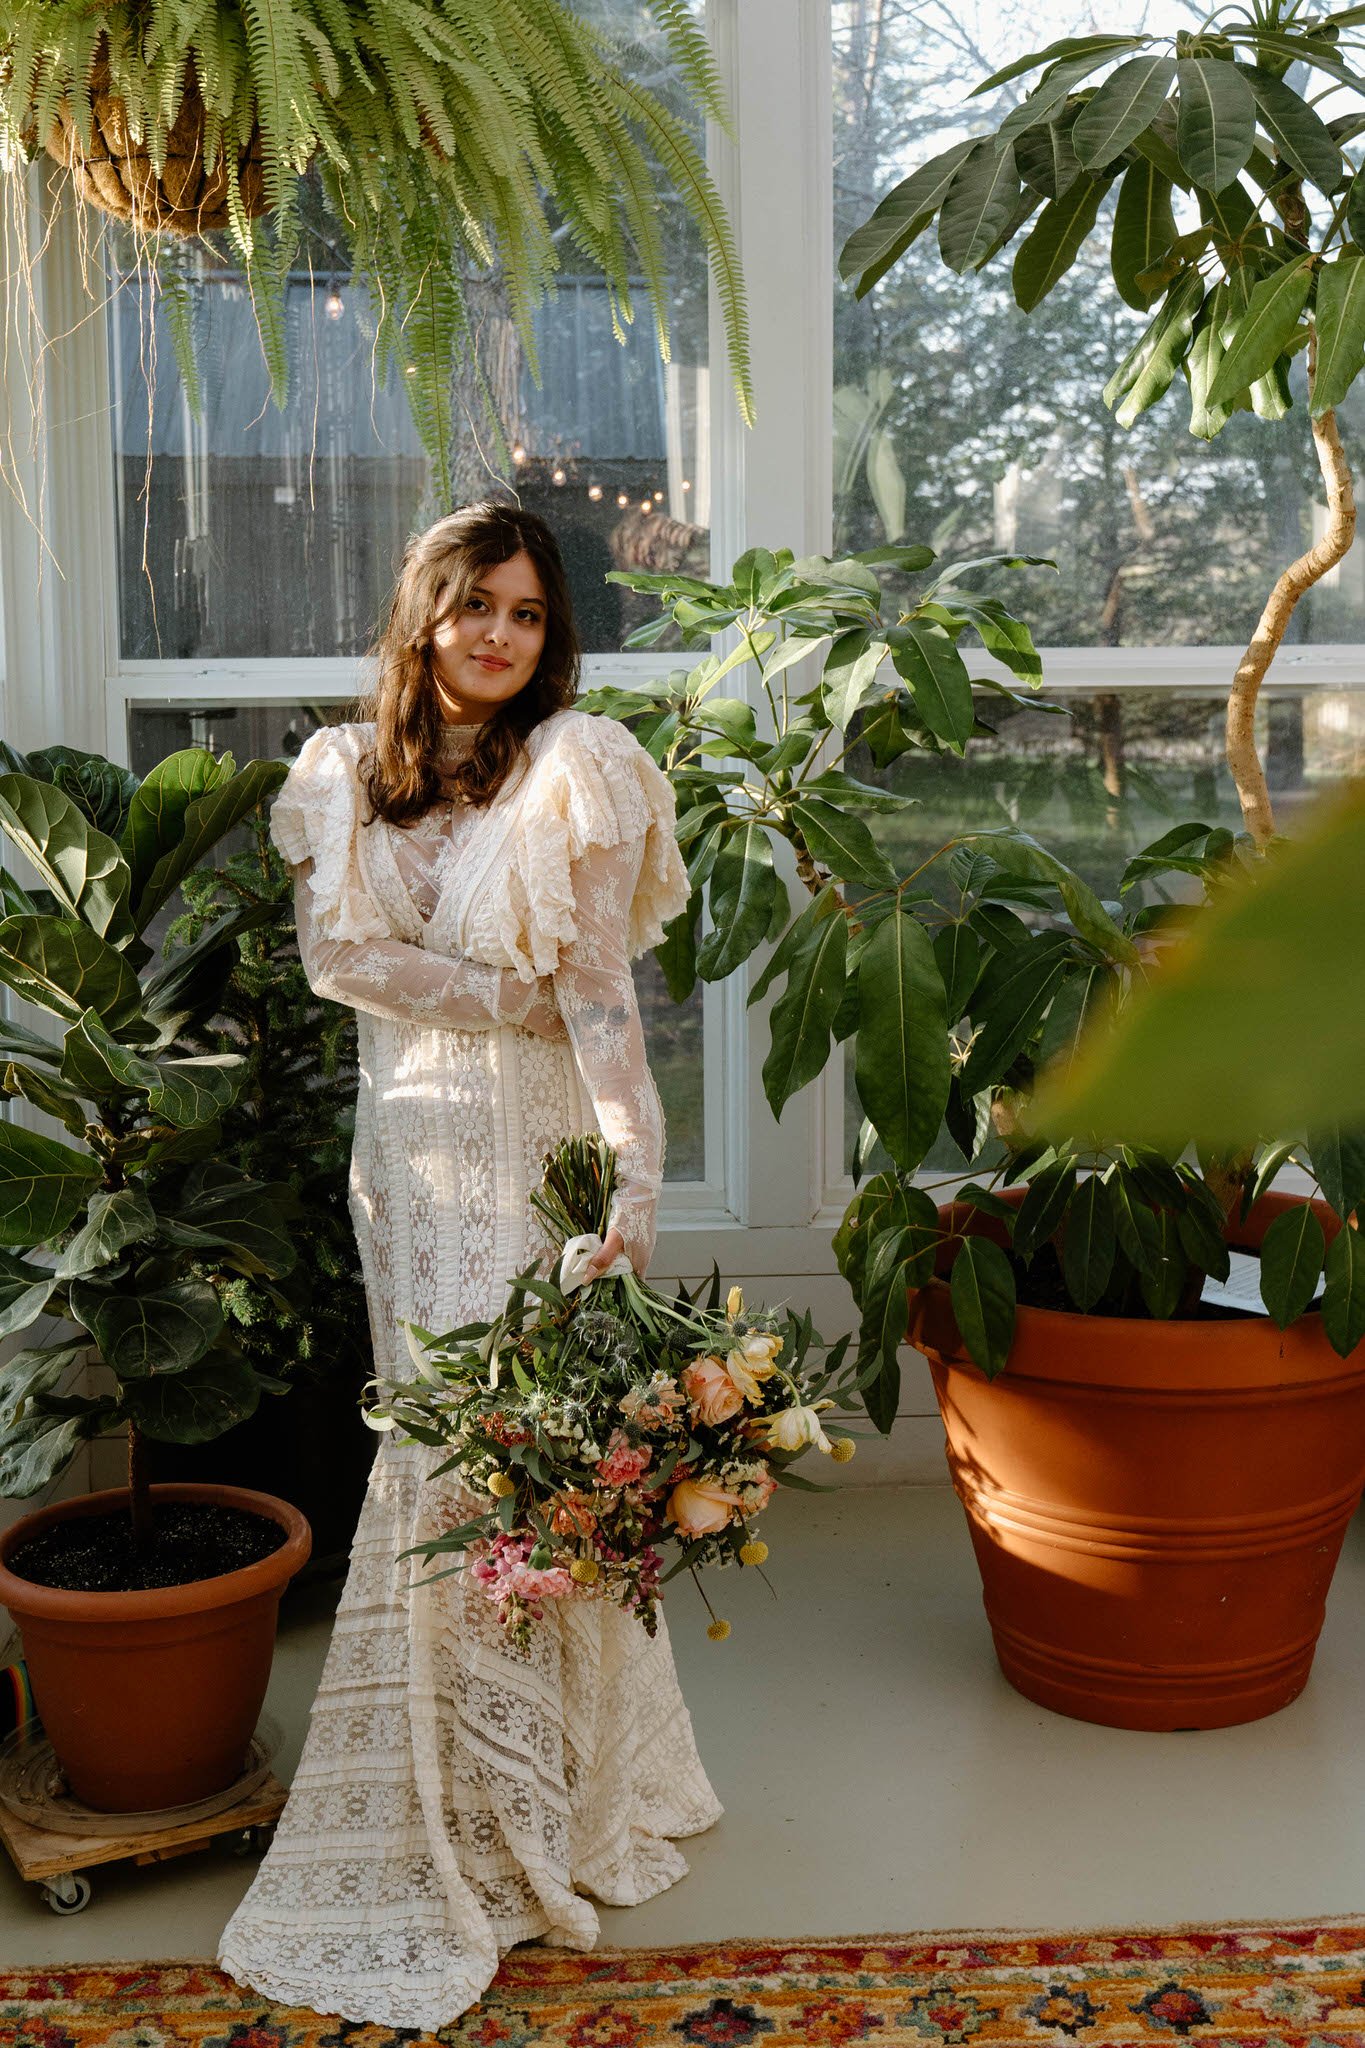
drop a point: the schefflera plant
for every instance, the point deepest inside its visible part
(891, 963)
(953, 984)
(124, 1227)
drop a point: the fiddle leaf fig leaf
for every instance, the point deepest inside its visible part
(195, 1406)
(151, 1332)
(83, 868)
(67, 969)
(24, 1293)
(43, 1185)
(185, 1093)
(112, 1223)
(213, 809)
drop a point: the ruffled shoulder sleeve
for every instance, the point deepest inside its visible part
(591, 784)
(317, 817)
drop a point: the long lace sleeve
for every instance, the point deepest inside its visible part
(596, 996)
(389, 978)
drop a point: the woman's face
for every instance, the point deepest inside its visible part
(488, 652)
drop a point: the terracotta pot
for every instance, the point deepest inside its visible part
(1156, 1507)
(150, 1699)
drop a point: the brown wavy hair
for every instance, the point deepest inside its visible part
(439, 569)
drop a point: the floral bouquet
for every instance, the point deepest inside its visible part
(618, 1436)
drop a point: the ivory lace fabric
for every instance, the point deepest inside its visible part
(457, 1795)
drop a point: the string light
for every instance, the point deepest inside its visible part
(687, 483)
(558, 477)
(646, 504)
(658, 497)
(335, 304)
(594, 492)
(411, 370)
(518, 453)
(622, 500)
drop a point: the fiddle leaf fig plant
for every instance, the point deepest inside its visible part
(129, 1224)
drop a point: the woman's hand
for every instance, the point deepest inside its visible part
(543, 1017)
(612, 1246)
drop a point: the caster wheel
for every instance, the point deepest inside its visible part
(69, 1893)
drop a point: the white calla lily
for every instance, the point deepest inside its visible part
(578, 1255)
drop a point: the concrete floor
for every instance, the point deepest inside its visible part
(880, 1776)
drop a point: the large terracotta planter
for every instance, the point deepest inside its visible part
(150, 1699)
(1156, 1508)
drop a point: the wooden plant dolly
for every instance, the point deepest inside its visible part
(56, 1862)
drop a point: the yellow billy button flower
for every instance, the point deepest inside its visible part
(718, 1631)
(753, 1552)
(500, 1484)
(583, 1571)
(842, 1448)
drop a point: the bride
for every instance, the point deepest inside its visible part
(475, 871)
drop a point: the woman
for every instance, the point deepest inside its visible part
(475, 871)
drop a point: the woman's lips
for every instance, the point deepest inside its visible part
(491, 661)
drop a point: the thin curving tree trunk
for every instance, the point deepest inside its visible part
(1244, 761)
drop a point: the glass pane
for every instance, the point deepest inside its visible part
(256, 731)
(252, 532)
(1097, 786)
(962, 422)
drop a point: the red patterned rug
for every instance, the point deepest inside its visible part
(1233, 1987)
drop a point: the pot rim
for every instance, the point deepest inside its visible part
(25, 1597)
(1075, 1347)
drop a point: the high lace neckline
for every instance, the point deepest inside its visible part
(455, 741)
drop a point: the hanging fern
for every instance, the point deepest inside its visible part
(450, 137)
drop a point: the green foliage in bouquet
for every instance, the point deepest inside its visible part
(955, 984)
(452, 141)
(128, 1231)
(609, 1424)
(290, 1124)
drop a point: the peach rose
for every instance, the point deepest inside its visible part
(698, 1507)
(712, 1392)
(572, 1516)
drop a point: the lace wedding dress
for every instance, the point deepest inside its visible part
(457, 1794)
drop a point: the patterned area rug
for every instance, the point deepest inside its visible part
(1237, 1987)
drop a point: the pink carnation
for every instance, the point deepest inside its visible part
(624, 1463)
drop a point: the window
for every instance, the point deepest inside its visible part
(248, 532)
(962, 422)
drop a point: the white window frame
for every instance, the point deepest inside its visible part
(773, 1190)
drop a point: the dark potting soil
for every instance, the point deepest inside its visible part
(190, 1540)
(1039, 1284)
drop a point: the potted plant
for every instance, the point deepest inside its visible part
(290, 1125)
(148, 1613)
(957, 975)
(429, 147)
